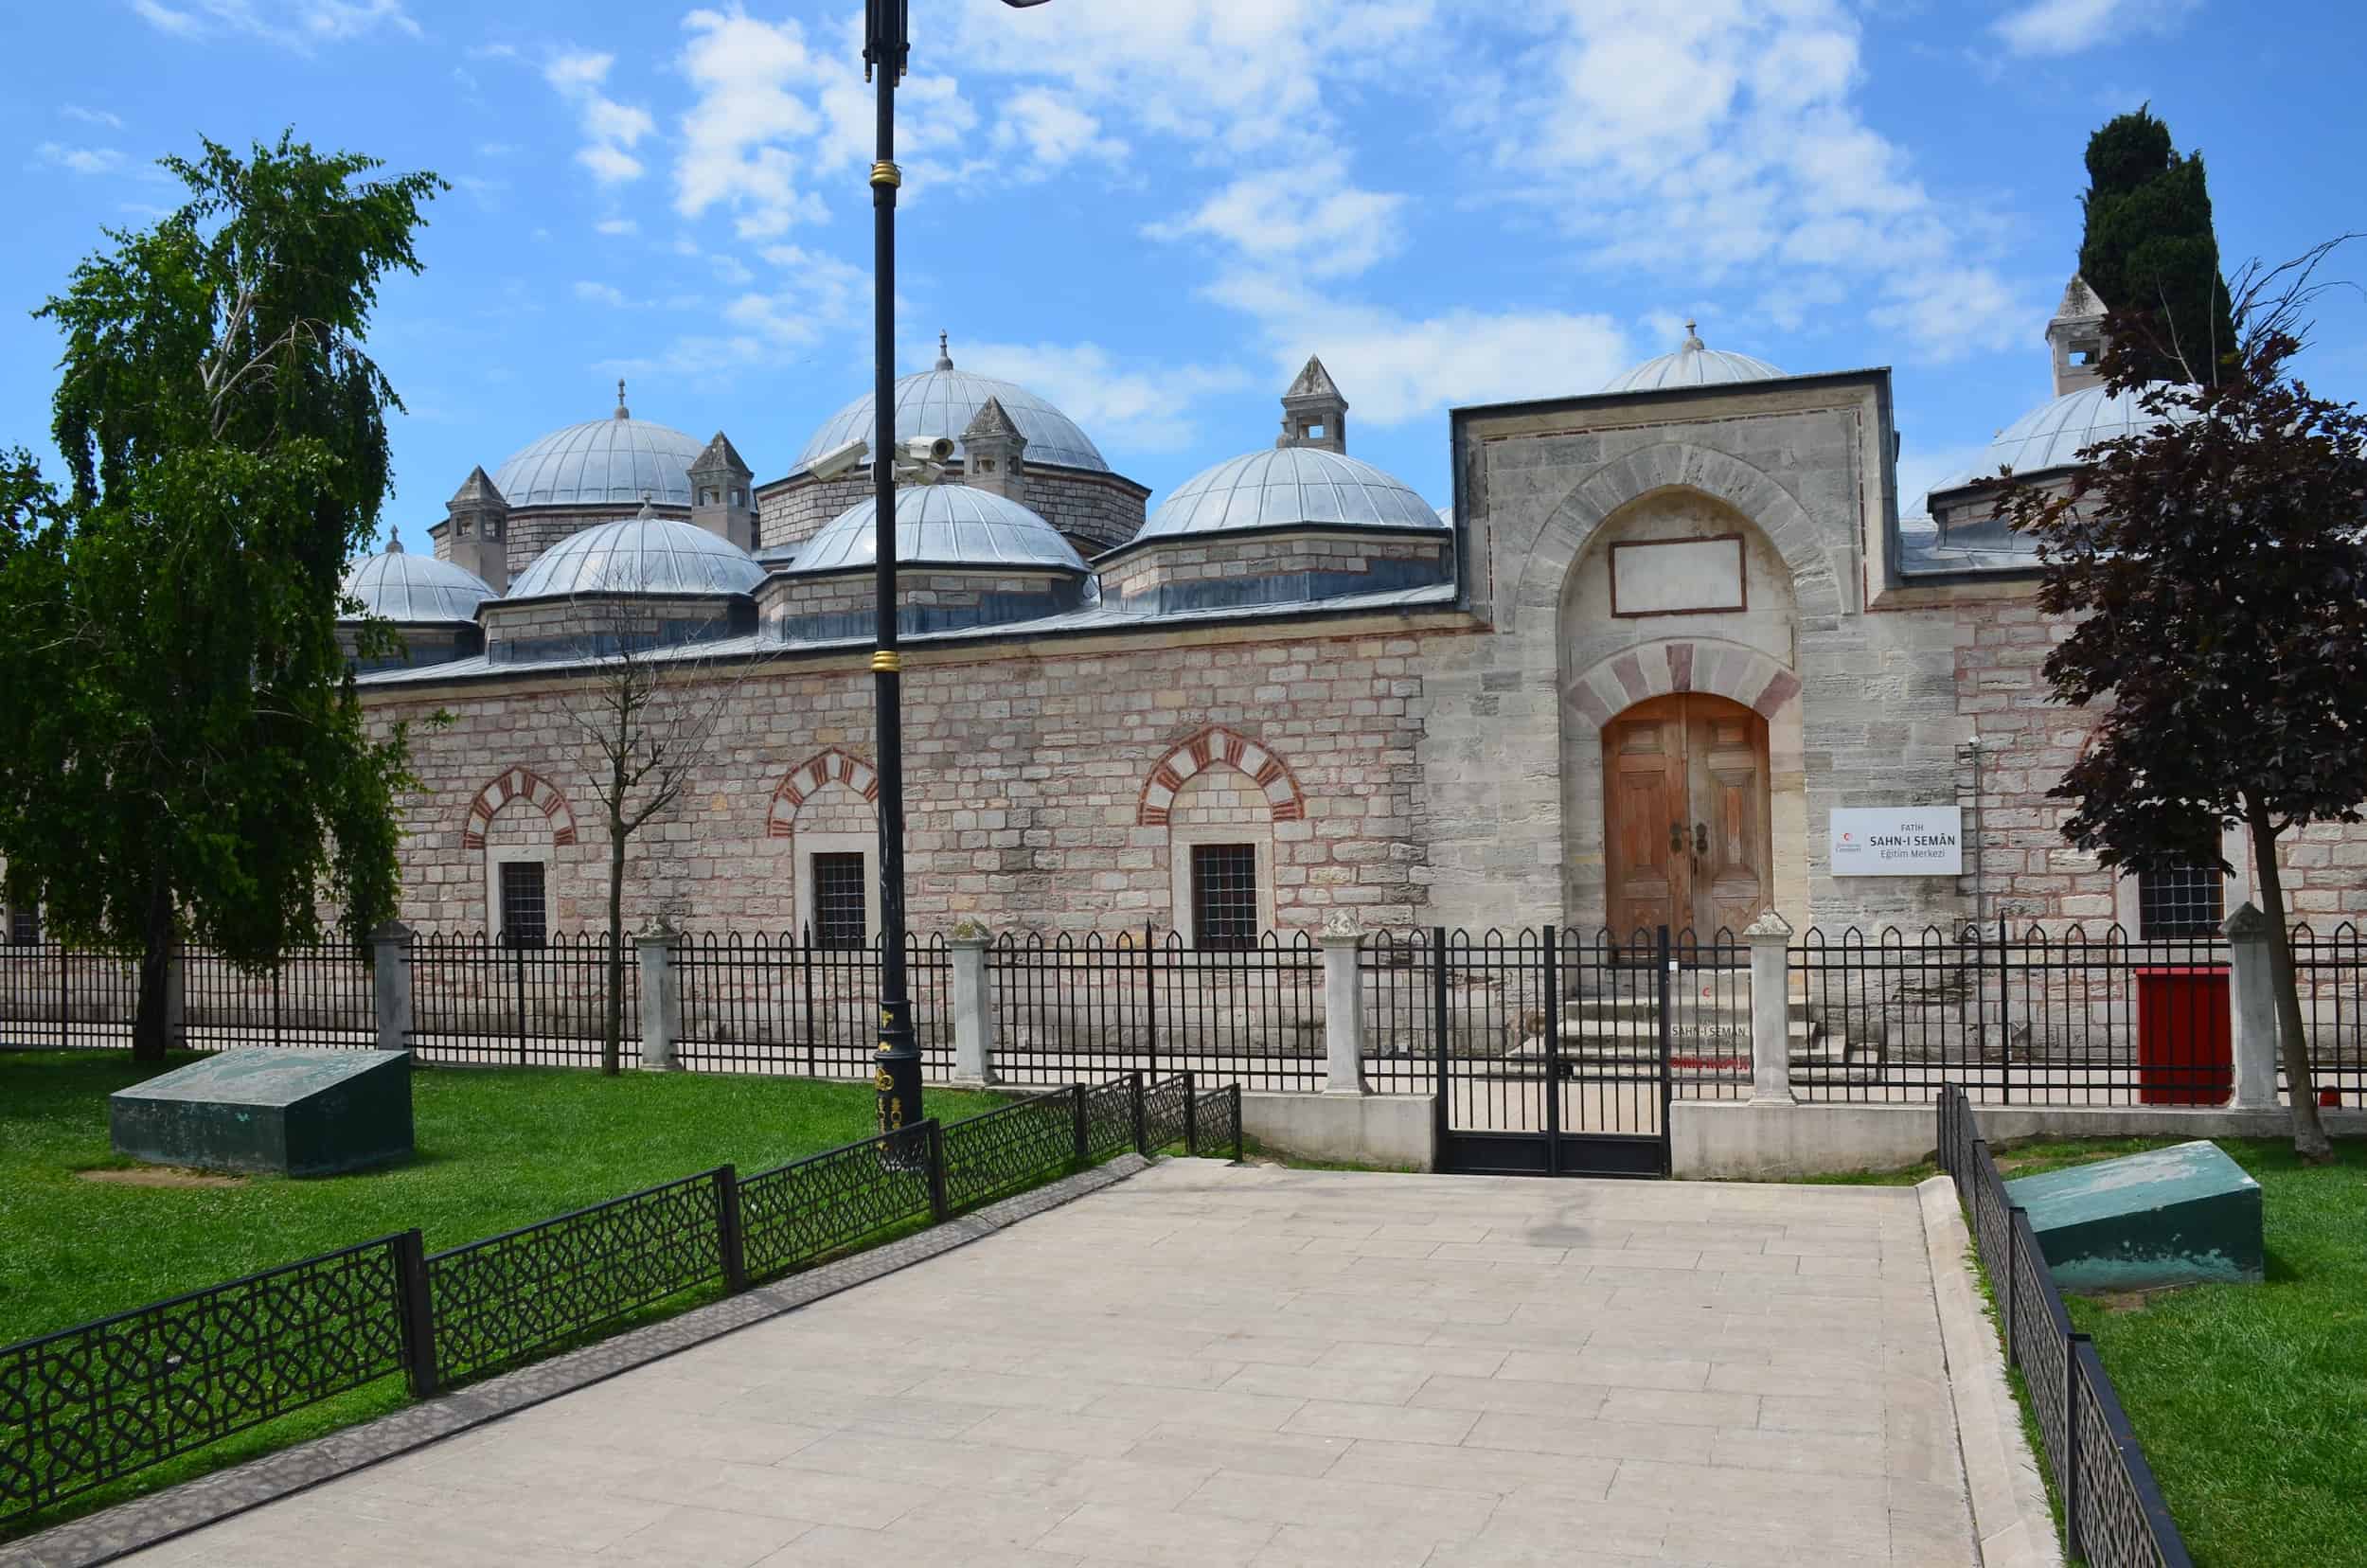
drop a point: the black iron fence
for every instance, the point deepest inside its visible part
(482, 1000)
(784, 1003)
(56, 996)
(2113, 1514)
(2330, 974)
(1067, 1006)
(92, 1404)
(2073, 1017)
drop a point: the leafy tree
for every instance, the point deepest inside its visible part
(2149, 252)
(182, 750)
(2215, 569)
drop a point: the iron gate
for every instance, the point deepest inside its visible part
(1553, 1052)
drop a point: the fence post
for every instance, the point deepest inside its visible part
(518, 968)
(1343, 1007)
(1239, 1133)
(937, 1206)
(177, 994)
(1077, 1111)
(2255, 1007)
(1191, 1116)
(660, 999)
(2075, 1548)
(417, 1309)
(390, 984)
(1134, 1106)
(728, 1231)
(1439, 1109)
(973, 1005)
(1150, 994)
(1769, 937)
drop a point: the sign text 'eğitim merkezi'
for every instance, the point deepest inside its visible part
(1899, 841)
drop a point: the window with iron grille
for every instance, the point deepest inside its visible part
(839, 920)
(1224, 894)
(525, 918)
(2189, 901)
(24, 927)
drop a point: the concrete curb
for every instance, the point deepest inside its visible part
(145, 1521)
(2010, 1516)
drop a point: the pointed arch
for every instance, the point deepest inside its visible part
(1207, 749)
(513, 783)
(826, 767)
(1724, 669)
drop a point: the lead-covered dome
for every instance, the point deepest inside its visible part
(2053, 435)
(942, 402)
(1289, 486)
(941, 525)
(416, 590)
(639, 555)
(602, 462)
(1694, 363)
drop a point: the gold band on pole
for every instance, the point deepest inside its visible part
(886, 173)
(885, 662)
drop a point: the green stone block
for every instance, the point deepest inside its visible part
(288, 1113)
(2181, 1216)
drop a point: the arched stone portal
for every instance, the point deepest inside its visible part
(1687, 837)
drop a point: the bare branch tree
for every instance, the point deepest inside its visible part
(647, 718)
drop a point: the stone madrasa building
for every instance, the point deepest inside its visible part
(1662, 632)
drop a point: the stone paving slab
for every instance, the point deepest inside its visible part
(1211, 1365)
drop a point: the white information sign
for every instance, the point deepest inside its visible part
(1891, 841)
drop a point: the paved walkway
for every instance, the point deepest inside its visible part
(1208, 1365)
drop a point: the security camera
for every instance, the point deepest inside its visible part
(839, 459)
(926, 449)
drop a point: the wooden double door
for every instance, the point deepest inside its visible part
(1686, 815)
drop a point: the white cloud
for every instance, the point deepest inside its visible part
(1307, 216)
(616, 226)
(1144, 407)
(2067, 27)
(79, 160)
(292, 24)
(601, 294)
(741, 141)
(92, 116)
(610, 129)
(1052, 132)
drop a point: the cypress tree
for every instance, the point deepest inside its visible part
(2149, 253)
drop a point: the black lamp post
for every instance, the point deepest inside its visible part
(886, 45)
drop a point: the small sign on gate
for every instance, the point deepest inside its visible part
(1893, 841)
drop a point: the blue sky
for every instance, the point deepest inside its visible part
(1152, 211)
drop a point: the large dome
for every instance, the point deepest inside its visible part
(1286, 486)
(2053, 435)
(943, 400)
(417, 590)
(1694, 363)
(941, 525)
(601, 462)
(639, 555)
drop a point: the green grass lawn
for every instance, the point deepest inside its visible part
(496, 1149)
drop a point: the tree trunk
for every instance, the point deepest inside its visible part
(2309, 1134)
(612, 1037)
(150, 1025)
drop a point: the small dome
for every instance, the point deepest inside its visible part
(1694, 363)
(601, 462)
(941, 525)
(943, 400)
(417, 590)
(1286, 486)
(639, 555)
(2053, 435)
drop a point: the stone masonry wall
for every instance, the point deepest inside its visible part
(1101, 510)
(1180, 560)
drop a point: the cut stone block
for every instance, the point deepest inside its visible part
(289, 1113)
(2181, 1216)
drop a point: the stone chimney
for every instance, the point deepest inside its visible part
(1313, 412)
(477, 530)
(720, 499)
(994, 453)
(2076, 337)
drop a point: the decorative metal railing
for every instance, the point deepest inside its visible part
(2330, 974)
(495, 1003)
(92, 1404)
(2113, 1514)
(786, 1004)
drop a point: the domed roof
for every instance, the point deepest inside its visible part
(943, 525)
(2053, 435)
(600, 462)
(639, 555)
(1694, 363)
(415, 590)
(943, 400)
(1286, 486)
